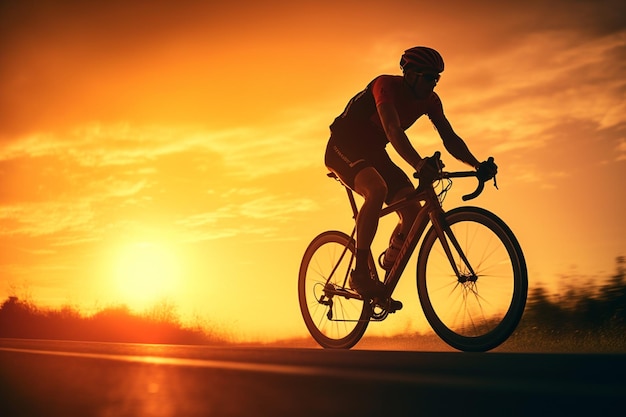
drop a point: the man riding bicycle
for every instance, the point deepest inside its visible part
(356, 153)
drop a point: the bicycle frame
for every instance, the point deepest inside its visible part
(431, 211)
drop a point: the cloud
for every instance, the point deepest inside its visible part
(264, 217)
(278, 208)
(236, 63)
(46, 218)
(132, 87)
(527, 96)
(115, 177)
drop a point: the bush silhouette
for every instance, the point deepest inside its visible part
(589, 317)
(21, 319)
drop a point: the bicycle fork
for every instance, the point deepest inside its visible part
(444, 232)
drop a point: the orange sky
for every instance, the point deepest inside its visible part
(184, 141)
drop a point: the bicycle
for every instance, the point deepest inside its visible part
(472, 279)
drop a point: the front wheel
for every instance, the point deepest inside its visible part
(473, 307)
(334, 320)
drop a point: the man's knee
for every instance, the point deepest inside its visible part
(371, 185)
(378, 191)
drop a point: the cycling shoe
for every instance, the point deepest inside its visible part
(365, 285)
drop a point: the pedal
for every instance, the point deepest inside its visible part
(389, 305)
(394, 305)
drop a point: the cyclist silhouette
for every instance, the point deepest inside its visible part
(356, 153)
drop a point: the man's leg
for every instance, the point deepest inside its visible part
(372, 187)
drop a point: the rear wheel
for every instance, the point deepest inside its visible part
(478, 308)
(334, 320)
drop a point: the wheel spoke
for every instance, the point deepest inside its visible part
(349, 318)
(473, 311)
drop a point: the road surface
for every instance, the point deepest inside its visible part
(67, 379)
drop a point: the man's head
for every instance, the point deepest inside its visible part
(421, 59)
(421, 66)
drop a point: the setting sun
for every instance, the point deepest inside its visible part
(144, 273)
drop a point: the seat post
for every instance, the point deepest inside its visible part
(349, 191)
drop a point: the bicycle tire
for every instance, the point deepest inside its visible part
(477, 314)
(350, 316)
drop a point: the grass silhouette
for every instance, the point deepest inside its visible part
(22, 319)
(586, 318)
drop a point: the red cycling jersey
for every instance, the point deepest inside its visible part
(359, 125)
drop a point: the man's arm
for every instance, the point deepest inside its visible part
(398, 139)
(454, 144)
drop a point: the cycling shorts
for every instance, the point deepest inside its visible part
(347, 162)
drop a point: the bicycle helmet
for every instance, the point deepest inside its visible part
(421, 57)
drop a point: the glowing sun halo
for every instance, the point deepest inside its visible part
(144, 273)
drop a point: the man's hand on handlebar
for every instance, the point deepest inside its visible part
(486, 170)
(428, 168)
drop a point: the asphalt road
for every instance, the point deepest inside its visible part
(52, 378)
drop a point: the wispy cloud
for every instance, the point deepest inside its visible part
(202, 179)
(263, 216)
(551, 91)
(46, 218)
(277, 207)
